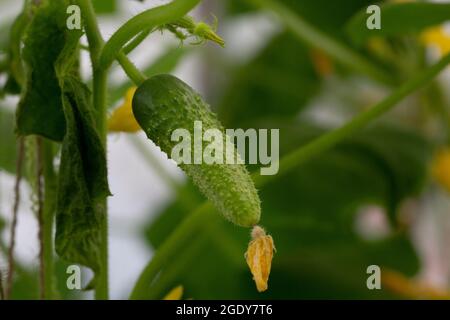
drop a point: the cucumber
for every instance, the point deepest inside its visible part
(164, 103)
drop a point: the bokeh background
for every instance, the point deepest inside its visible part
(371, 200)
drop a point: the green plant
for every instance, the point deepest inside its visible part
(70, 118)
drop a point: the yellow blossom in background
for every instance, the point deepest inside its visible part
(321, 62)
(441, 168)
(175, 294)
(259, 257)
(122, 119)
(438, 38)
(411, 289)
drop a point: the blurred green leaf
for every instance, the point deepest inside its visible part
(8, 144)
(105, 6)
(399, 19)
(40, 110)
(15, 69)
(271, 84)
(329, 16)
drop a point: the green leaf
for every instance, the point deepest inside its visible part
(399, 19)
(82, 181)
(105, 6)
(270, 85)
(16, 73)
(8, 144)
(40, 110)
(329, 16)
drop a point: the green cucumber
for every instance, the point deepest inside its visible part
(164, 103)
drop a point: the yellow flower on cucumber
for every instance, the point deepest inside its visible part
(122, 118)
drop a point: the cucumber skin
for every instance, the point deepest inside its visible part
(164, 103)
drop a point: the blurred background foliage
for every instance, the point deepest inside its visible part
(312, 212)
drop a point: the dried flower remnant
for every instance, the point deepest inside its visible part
(259, 257)
(441, 168)
(122, 119)
(175, 294)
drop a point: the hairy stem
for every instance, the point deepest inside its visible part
(288, 163)
(316, 38)
(40, 217)
(130, 69)
(146, 20)
(96, 44)
(12, 241)
(136, 41)
(50, 189)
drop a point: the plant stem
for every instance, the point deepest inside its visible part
(318, 39)
(96, 44)
(130, 69)
(137, 41)
(167, 250)
(287, 163)
(148, 19)
(50, 190)
(40, 218)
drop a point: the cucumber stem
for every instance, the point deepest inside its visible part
(146, 20)
(130, 69)
(50, 189)
(96, 44)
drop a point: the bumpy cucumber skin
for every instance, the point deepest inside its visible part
(164, 103)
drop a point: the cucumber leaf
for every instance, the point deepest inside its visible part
(82, 181)
(40, 110)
